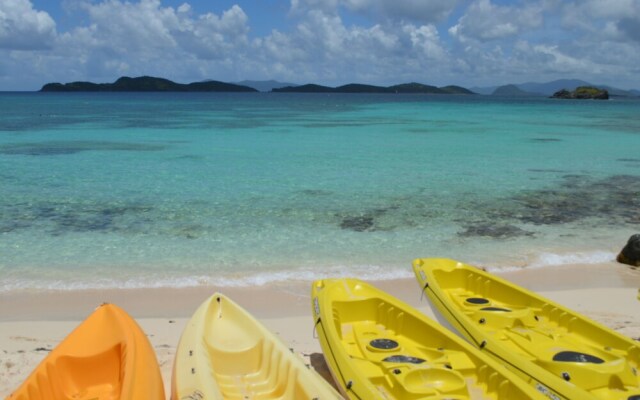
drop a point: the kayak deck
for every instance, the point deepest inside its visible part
(378, 347)
(553, 339)
(563, 348)
(225, 353)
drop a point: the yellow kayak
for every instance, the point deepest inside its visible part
(558, 351)
(107, 357)
(378, 347)
(225, 353)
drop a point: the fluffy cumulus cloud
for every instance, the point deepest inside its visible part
(341, 54)
(550, 39)
(146, 31)
(23, 28)
(422, 11)
(486, 21)
(425, 11)
(618, 19)
(145, 37)
(324, 41)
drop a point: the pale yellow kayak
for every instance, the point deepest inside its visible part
(558, 351)
(378, 347)
(225, 353)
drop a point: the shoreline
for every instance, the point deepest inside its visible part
(33, 322)
(278, 299)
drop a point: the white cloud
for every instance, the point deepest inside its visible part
(630, 27)
(611, 20)
(423, 11)
(554, 58)
(142, 27)
(326, 41)
(146, 38)
(23, 28)
(599, 9)
(323, 47)
(485, 21)
(426, 41)
(303, 6)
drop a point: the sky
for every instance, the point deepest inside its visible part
(331, 42)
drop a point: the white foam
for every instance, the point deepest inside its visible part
(305, 274)
(548, 260)
(237, 280)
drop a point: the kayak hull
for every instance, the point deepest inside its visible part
(378, 347)
(225, 353)
(107, 357)
(556, 350)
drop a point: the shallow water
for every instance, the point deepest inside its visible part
(145, 190)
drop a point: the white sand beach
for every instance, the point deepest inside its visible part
(33, 322)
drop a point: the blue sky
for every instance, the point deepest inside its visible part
(332, 42)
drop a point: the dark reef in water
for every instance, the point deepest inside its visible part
(578, 200)
(545, 140)
(58, 218)
(359, 223)
(613, 201)
(54, 148)
(610, 201)
(494, 230)
(365, 222)
(146, 84)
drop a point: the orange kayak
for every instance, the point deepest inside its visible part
(107, 357)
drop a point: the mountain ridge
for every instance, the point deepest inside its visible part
(403, 88)
(265, 86)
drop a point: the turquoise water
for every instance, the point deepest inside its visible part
(148, 190)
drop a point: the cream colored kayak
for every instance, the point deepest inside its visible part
(378, 347)
(225, 353)
(558, 351)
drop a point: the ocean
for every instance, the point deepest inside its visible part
(129, 190)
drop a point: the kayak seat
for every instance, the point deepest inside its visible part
(574, 356)
(495, 309)
(383, 344)
(399, 358)
(477, 305)
(87, 377)
(79, 377)
(235, 361)
(589, 371)
(477, 300)
(435, 381)
(268, 378)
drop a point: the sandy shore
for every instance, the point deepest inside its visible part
(33, 322)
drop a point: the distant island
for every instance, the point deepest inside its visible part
(547, 89)
(146, 84)
(582, 92)
(153, 84)
(405, 88)
(563, 88)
